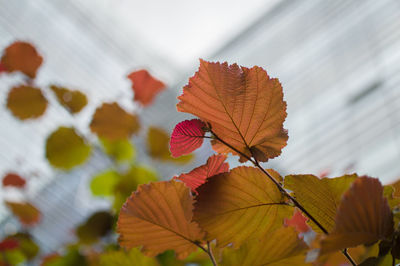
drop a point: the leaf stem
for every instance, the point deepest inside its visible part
(208, 251)
(279, 186)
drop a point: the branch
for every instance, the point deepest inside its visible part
(208, 251)
(279, 186)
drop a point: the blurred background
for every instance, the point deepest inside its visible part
(338, 62)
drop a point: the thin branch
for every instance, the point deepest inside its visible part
(208, 251)
(279, 186)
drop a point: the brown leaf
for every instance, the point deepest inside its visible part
(26, 102)
(145, 86)
(241, 204)
(363, 217)
(73, 101)
(14, 180)
(112, 122)
(158, 216)
(27, 213)
(244, 107)
(21, 56)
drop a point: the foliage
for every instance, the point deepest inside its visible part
(211, 215)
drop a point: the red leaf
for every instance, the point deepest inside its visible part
(298, 221)
(8, 244)
(198, 176)
(145, 86)
(2, 68)
(187, 136)
(14, 180)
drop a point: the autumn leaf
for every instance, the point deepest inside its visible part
(298, 221)
(187, 136)
(241, 204)
(27, 213)
(21, 56)
(244, 107)
(363, 217)
(158, 217)
(126, 258)
(26, 244)
(320, 197)
(65, 149)
(215, 165)
(280, 247)
(2, 68)
(112, 122)
(26, 102)
(13, 180)
(96, 226)
(145, 86)
(74, 101)
(8, 244)
(157, 145)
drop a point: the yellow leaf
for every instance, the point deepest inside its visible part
(279, 247)
(158, 216)
(73, 101)
(158, 146)
(363, 217)
(112, 122)
(238, 205)
(26, 102)
(126, 258)
(65, 149)
(320, 197)
(25, 211)
(243, 106)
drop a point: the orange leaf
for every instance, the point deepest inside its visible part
(298, 221)
(187, 136)
(158, 216)
(73, 101)
(244, 107)
(145, 86)
(22, 56)
(14, 180)
(26, 212)
(198, 176)
(363, 217)
(26, 102)
(241, 204)
(112, 122)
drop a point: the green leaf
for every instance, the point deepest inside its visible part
(123, 258)
(65, 149)
(120, 150)
(103, 184)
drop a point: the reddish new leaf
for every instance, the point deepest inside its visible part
(187, 136)
(21, 56)
(298, 221)
(27, 213)
(8, 244)
(13, 180)
(215, 165)
(145, 86)
(363, 217)
(244, 107)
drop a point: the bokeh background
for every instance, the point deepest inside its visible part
(338, 62)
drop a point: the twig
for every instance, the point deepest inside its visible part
(208, 251)
(295, 202)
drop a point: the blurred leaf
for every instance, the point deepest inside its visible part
(298, 221)
(243, 106)
(145, 86)
(158, 217)
(13, 180)
(21, 56)
(12, 257)
(279, 247)
(65, 149)
(120, 150)
(97, 225)
(73, 100)
(26, 102)
(187, 136)
(126, 258)
(320, 197)
(72, 257)
(112, 122)
(27, 213)
(363, 217)
(239, 205)
(389, 193)
(26, 245)
(215, 165)
(103, 184)
(8, 244)
(158, 146)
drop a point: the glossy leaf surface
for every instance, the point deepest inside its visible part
(244, 107)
